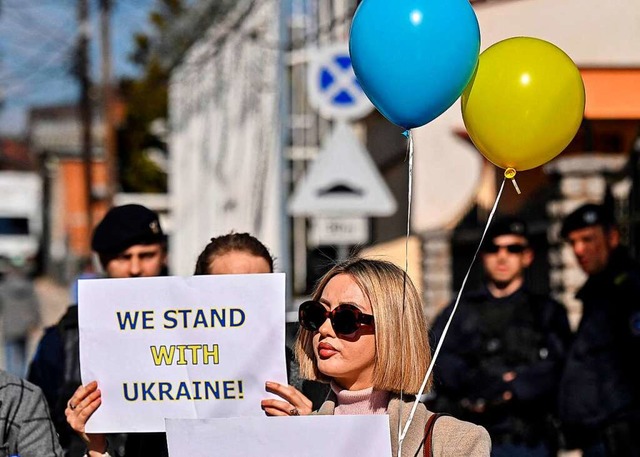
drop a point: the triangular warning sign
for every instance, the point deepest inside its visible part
(342, 181)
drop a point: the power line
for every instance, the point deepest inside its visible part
(35, 25)
(27, 66)
(25, 5)
(44, 74)
(34, 63)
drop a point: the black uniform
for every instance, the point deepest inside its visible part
(600, 388)
(525, 333)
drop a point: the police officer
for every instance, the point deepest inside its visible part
(599, 401)
(130, 243)
(501, 359)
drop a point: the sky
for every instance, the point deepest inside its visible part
(36, 47)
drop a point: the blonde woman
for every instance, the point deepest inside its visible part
(365, 333)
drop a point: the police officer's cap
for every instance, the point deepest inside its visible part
(125, 226)
(588, 215)
(509, 225)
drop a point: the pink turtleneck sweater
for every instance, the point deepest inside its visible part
(366, 401)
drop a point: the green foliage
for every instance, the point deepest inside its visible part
(146, 101)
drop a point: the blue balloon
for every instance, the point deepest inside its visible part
(413, 58)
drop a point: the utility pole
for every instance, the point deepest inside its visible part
(109, 141)
(85, 108)
(1, 91)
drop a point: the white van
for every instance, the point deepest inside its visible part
(20, 214)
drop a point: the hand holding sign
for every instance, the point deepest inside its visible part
(80, 407)
(294, 404)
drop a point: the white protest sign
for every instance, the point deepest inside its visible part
(192, 347)
(305, 436)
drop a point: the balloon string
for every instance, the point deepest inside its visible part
(446, 327)
(409, 136)
(409, 198)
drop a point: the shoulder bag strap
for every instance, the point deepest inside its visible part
(428, 434)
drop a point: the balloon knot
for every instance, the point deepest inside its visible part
(406, 133)
(510, 173)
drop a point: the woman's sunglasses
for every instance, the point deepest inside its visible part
(345, 319)
(492, 248)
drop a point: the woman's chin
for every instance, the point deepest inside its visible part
(328, 368)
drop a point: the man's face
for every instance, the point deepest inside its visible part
(592, 247)
(504, 266)
(140, 260)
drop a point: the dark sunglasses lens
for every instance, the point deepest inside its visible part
(312, 315)
(491, 248)
(511, 248)
(345, 320)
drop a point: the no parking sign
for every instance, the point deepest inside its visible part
(333, 88)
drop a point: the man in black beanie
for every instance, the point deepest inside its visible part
(501, 359)
(130, 243)
(599, 401)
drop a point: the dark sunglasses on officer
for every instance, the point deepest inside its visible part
(514, 248)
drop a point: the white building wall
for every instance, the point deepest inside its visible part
(592, 32)
(225, 135)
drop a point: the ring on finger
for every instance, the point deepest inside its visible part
(294, 412)
(72, 407)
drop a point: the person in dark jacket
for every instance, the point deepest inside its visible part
(130, 243)
(502, 356)
(599, 400)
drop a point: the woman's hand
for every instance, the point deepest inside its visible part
(83, 403)
(294, 404)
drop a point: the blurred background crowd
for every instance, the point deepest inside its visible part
(204, 111)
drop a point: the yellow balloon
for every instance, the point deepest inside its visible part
(524, 104)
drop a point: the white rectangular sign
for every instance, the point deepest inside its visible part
(306, 436)
(180, 347)
(340, 231)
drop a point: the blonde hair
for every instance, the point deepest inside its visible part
(403, 353)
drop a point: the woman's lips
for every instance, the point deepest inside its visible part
(325, 351)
